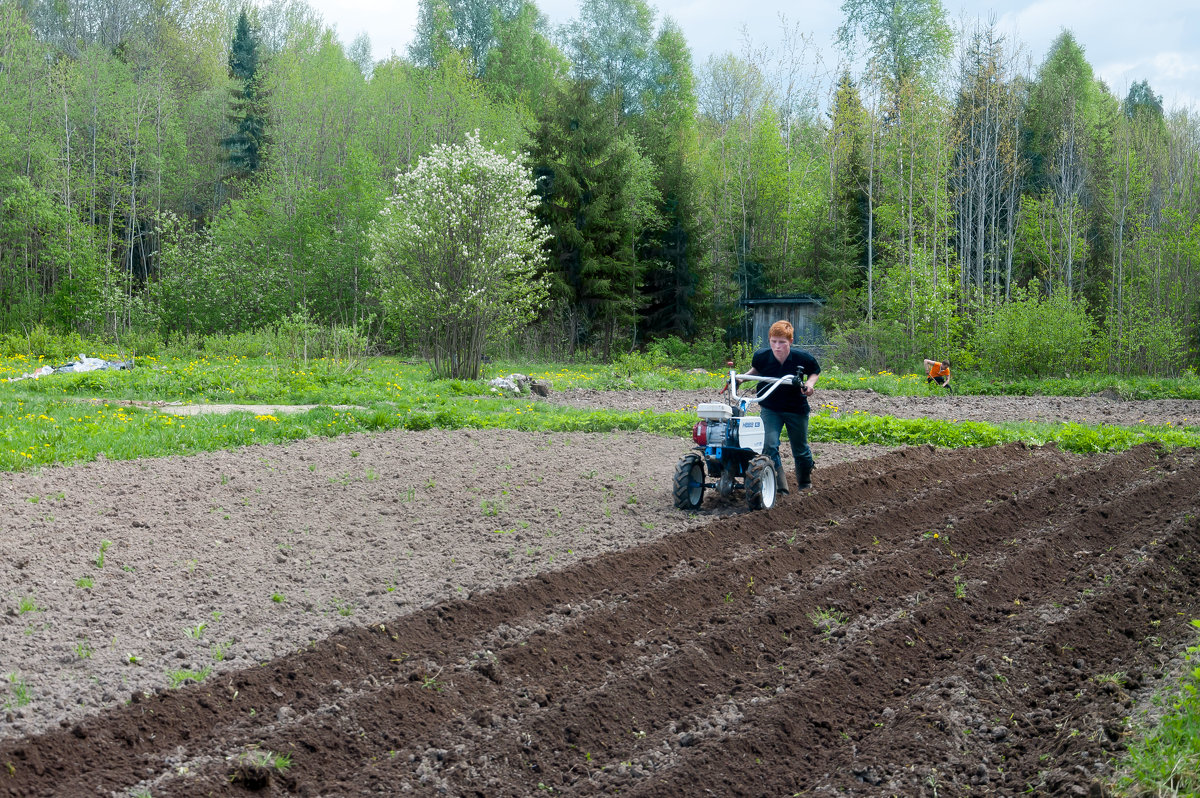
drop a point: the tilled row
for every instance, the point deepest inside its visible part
(920, 616)
(952, 685)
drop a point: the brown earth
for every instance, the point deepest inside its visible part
(1096, 409)
(506, 614)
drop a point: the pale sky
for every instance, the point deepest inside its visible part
(1155, 40)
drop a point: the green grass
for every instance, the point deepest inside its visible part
(19, 695)
(969, 383)
(46, 427)
(263, 380)
(863, 428)
(1164, 759)
(823, 617)
(104, 546)
(178, 678)
(269, 760)
(220, 651)
(366, 382)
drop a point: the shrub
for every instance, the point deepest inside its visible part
(1143, 342)
(459, 248)
(883, 346)
(711, 352)
(1036, 336)
(39, 341)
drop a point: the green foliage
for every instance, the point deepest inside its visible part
(671, 249)
(597, 193)
(1036, 336)
(178, 678)
(389, 395)
(631, 364)
(18, 690)
(1141, 99)
(1063, 99)
(49, 264)
(691, 191)
(298, 337)
(525, 65)
(40, 343)
(470, 26)
(611, 49)
(905, 38)
(1051, 239)
(711, 353)
(1142, 342)
(840, 245)
(269, 760)
(244, 146)
(915, 303)
(885, 344)
(460, 249)
(1161, 759)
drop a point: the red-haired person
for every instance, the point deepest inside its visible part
(937, 371)
(787, 406)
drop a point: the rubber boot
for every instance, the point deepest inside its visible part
(781, 485)
(803, 478)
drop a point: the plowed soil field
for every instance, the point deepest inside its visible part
(505, 614)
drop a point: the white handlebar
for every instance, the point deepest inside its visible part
(776, 382)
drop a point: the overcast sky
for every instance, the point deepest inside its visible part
(1155, 40)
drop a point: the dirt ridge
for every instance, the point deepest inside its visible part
(692, 663)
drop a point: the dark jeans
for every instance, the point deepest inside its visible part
(797, 429)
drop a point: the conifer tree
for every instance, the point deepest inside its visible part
(669, 134)
(244, 146)
(842, 248)
(584, 179)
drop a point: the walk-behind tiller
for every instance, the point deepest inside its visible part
(729, 448)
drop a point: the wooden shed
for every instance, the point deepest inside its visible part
(800, 310)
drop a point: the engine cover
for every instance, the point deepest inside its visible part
(751, 434)
(736, 433)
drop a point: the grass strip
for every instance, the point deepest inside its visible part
(863, 428)
(39, 432)
(369, 380)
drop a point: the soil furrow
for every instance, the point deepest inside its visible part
(939, 616)
(597, 713)
(602, 706)
(833, 644)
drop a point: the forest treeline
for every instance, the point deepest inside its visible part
(171, 169)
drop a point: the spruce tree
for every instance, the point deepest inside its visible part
(843, 238)
(244, 146)
(668, 131)
(582, 169)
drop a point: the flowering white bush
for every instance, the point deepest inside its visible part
(459, 248)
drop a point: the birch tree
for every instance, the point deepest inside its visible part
(985, 182)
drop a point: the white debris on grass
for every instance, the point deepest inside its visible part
(515, 383)
(80, 364)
